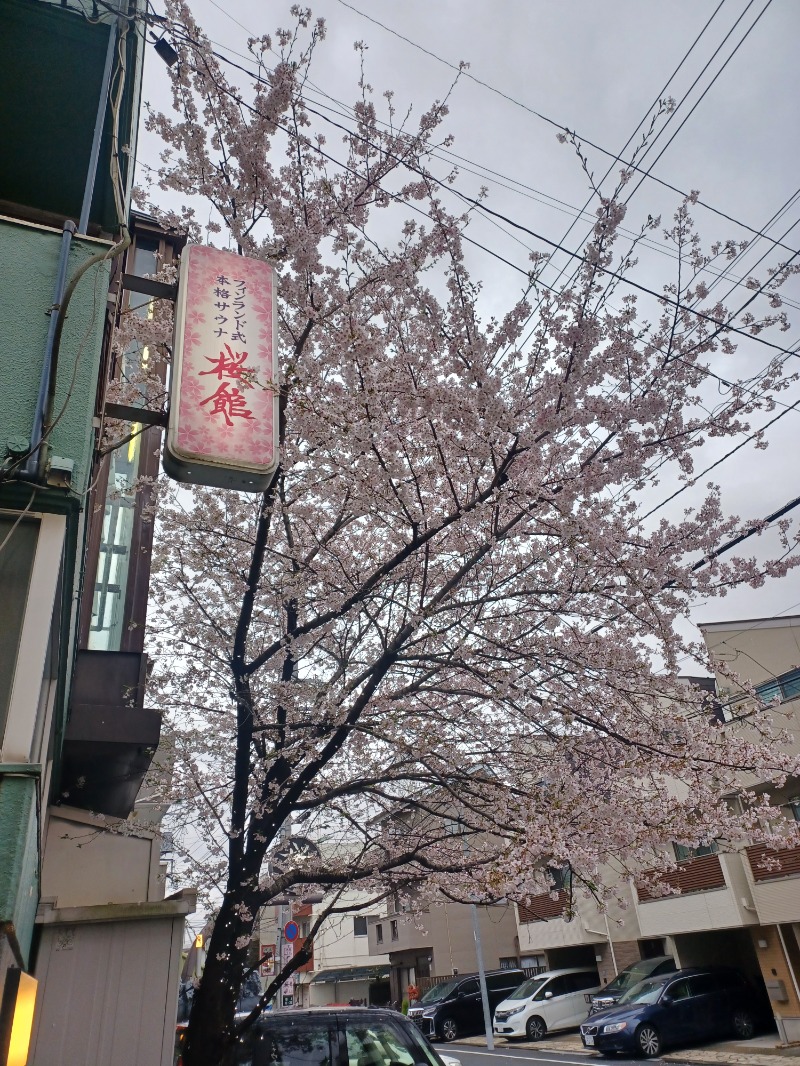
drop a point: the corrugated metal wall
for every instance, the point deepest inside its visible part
(110, 993)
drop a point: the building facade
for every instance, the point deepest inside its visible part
(81, 878)
(439, 941)
(341, 970)
(738, 907)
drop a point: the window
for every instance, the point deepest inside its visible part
(707, 982)
(558, 986)
(470, 988)
(785, 687)
(684, 853)
(561, 877)
(794, 808)
(679, 990)
(582, 981)
(359, 925)
(299, 1041)
(393, 927)
(382, 1043)
(508, 963)
(379, 933)
(19, 537)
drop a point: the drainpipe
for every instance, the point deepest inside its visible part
(789, 965)
(94, 155)
(32, 463)
(607, 934)
(36, 462)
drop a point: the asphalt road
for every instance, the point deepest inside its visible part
(505, 1056)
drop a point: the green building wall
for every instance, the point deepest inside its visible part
(19, 848)
(28, 261)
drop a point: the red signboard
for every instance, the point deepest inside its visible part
(223, 420)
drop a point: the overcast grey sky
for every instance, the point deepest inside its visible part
(595, 66)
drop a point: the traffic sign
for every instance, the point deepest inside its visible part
(291, 931)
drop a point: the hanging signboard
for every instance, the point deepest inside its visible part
(223, 418)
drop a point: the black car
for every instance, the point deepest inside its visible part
(677, 1008)
(336, 1036)
(630, 977)
(454, 1008)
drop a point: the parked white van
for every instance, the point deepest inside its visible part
(553, 1000)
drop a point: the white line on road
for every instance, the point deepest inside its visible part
(520, 1054)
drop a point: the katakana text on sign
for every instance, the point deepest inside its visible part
(224, 394)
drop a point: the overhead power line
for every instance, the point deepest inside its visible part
(648, 172)
(480, 206)
(347, 168)
(547, 119)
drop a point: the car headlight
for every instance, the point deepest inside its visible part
(615, 1027)
(513, 1011)
(429, 1013)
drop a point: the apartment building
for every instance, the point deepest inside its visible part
(738, 907)
(341, 969)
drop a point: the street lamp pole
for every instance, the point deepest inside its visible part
(487, 1014)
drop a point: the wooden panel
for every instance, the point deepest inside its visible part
(788, 862)
(696, 875)
(542, 907)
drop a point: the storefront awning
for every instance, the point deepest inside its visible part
(351, 973)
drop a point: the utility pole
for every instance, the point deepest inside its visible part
(487, 1013)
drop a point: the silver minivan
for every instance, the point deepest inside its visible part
(552, 1000)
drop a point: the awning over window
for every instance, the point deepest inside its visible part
(351, 973)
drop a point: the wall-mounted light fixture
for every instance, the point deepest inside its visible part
(16, 1017)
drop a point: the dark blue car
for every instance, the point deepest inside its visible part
(675, 1008)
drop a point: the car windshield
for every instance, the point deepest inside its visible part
(646, 992)
(437, 992)
(627, 979)
(528, 988)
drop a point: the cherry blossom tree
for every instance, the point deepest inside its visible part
(441, 645)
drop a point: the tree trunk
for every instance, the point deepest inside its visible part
(210, 1035)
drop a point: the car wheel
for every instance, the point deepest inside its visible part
(449, 1029)
(743, 1024)
(536, 1029)
(648, 1041)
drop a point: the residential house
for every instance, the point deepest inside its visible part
(439, 941)
(736, 907)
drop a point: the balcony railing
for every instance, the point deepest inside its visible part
(784, 863)
(542, 908)
(696, 875)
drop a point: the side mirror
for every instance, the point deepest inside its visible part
(666, 999)
(548, 995)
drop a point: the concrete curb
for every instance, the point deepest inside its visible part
(718, 1055)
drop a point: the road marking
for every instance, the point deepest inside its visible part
(522, 1051)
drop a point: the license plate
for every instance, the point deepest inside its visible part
(589, 1041)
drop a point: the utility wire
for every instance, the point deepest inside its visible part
(547, 119)
(655, 104)
(465, 73)
(351, 170)
(705, 91)
(479, 205)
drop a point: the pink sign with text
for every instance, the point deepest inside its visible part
(223, 424)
